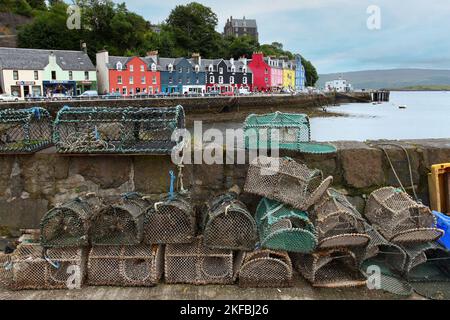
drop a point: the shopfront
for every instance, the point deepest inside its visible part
(25, 89)
(86, 85)
(57, 86)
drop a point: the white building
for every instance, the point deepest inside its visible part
(339, 85)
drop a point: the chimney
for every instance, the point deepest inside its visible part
(244, 60)
(84, 47)
(232, 61)
(153, 55)
(197, 58)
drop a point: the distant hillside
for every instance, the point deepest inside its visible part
(9, 22)
(392, 79)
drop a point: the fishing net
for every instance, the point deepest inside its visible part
(30, 267)
(399, 218)
(25, 130)
(333, 268)
(227, 224)
(287, 131)
(266, 269)
(337, 222)
(117, 130)
(126, 266)
(120, 223)
(68, 225)
(286, 181)
(170, 221)
(428, 269)
(284, 228)
(196, 264)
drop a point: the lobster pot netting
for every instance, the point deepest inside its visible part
(227, 224)
(266, 269)
(68, 225)
(284, 228)
(126, 266)
(170, 221)
(428, 269)
(25, 130)
(117, 130)
(399, 218)
(196, 264)
(337, 222)
(286, 181)
(286, 131)
(31, 267)
(333, 268)
(120, 223)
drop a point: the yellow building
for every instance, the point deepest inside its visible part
(288, 76)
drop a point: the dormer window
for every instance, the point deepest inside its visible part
(131, 68)
(170, 67)
(233, 69)
(244, 69)
(153, 67)
(142, 68)
(197, 68)
(211, 68)
(221, 70)
(119, 66)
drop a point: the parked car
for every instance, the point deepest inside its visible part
(161, 94)
(112, 95)
(35, 97)
(244, 91)
(227, 94)
(60, 97)
(5, 97)
(175, 94)
(212, 93)
(89, 94)
(141, 95)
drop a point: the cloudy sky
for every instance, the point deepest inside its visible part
(333, 34)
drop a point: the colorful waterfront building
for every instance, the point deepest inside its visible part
(300, 75)
(276, 73)
(288, 75)
(227, 75)
(262, 73)
(127, 75)
(26, 72)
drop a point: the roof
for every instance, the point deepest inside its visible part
(38, 59)
(244, 23)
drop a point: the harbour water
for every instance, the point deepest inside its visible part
(427, 116)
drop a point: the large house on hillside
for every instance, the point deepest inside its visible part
(241, 27)
(26, 72)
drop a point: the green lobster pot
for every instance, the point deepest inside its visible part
(284, 228)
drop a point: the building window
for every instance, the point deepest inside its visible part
(180, 80)
(143, 80)
(211, 68)
(70, 75)
(180, 70)
(131, 68)
(124, 91)
(266, 80)
(244, 69)
(153, 67)
(131, 91)
(53, 75)
(220, 80)
(86, 75)
(197, 68)
(142, 68)
(154, 80)
(119, 66)
(233, 69)
(188, 80)
(36, 75)
(266, 71)
(221, 70)
(119, 79)
(170, 80)
(131, 80)
(197, 80)
(211, 79)
(244, 80)
(231, 80)
(170, 67)
(150, 90)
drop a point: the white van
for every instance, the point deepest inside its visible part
(89, 94)
(244, 91)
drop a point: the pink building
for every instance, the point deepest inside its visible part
(276, 72)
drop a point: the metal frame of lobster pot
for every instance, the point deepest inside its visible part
(68, 225)
(286, 131)
(171, 220)
(283, 228)
(338, 222)
(266, 269)
(399, 218)
(121, 222)
(335, 268)
(25, 130)
(126, 266)
(196, 264)
(31, 267)
(131, 130)
(227, 224)
(286, 181)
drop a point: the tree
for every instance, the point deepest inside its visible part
(310, 73)
(237, 47)
(37, 4)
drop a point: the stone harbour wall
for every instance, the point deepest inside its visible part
(32, 184)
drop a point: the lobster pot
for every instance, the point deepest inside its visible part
(170, 221)
(284, 228)
(198, 265)
(67, 225)
(331, 268)
(286, 181)
(25, 130)
(227, 224)
(31, 267)
(287, 131)
(266, 269)
(399, 218)
(337, 222)
(121, 223)
(126, 266)
(118, 130)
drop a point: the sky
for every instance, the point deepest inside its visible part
(334, 34)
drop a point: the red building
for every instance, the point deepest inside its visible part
(261, 72)
(130, 75)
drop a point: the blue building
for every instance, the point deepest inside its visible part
(300, 75)
(181, 75)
